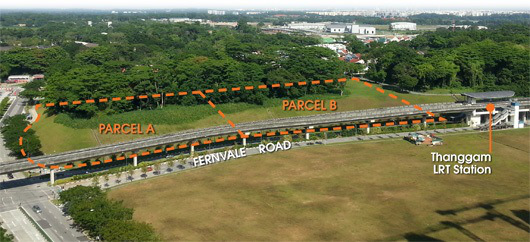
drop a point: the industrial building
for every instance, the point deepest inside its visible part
(308, 26)
(403, 26)
(336, 28)
(23, 78)
(349, 28)
(217, 12)
(18, 79)
(356, 29)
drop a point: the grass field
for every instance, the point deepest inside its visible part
(383, 190)
(56, 137)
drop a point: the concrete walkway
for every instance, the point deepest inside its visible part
(33, 113)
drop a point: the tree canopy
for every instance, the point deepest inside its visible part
(489, 60)
(13, 130)
(103, 218)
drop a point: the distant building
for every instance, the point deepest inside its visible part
(37, 77)
(109, 24)
(89, 45)
(89, 23)
(178, 20)
(462, 26)
(335, 47)
(223, 24)
(336, 28)
(403, 26)
(216, 12)
(185, 20)
(349, 28)
(356, 29)
(307, 26)
(18, 79)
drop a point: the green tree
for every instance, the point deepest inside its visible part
(157, 167)
(118, 176)
(405, 75)
(92, 215)
(144, 170)
(106, 178)
(5, 236)
(170, 163)
(128, 230)
(95, 181)
(131, 174)
(353, 44)
(80, 193)
(32, 90)
(13, 130)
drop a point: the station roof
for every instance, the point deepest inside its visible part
(489, 95)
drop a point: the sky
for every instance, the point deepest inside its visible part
(268, 4)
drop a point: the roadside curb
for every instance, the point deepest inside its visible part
(37, 226)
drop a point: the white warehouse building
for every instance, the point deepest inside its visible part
(356, 29)
(307, 26)
(349, 28)
(403, 26)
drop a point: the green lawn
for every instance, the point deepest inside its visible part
(57, 138)
(383, 190)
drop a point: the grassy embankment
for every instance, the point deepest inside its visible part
(56, 137)
(383, 190)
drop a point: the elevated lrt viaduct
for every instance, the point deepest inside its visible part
(367, 118)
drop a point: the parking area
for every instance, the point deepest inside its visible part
(16, 223)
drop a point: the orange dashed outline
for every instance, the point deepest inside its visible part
(241, 134)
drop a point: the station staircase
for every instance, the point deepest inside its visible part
(498, 117)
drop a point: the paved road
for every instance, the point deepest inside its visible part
(20, 226)
(4, 152)
(16, 107)
(30, 192)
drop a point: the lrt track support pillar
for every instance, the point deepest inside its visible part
(245, 139)
(135, 161)
(515, 106)
(368, 128)
(192, 150)
(52, 176)
(307, 134)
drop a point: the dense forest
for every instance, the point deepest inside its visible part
(494, 59)
(135, 57)
(148, 57)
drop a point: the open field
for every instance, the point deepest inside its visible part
(354, 191)
(357, 96)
